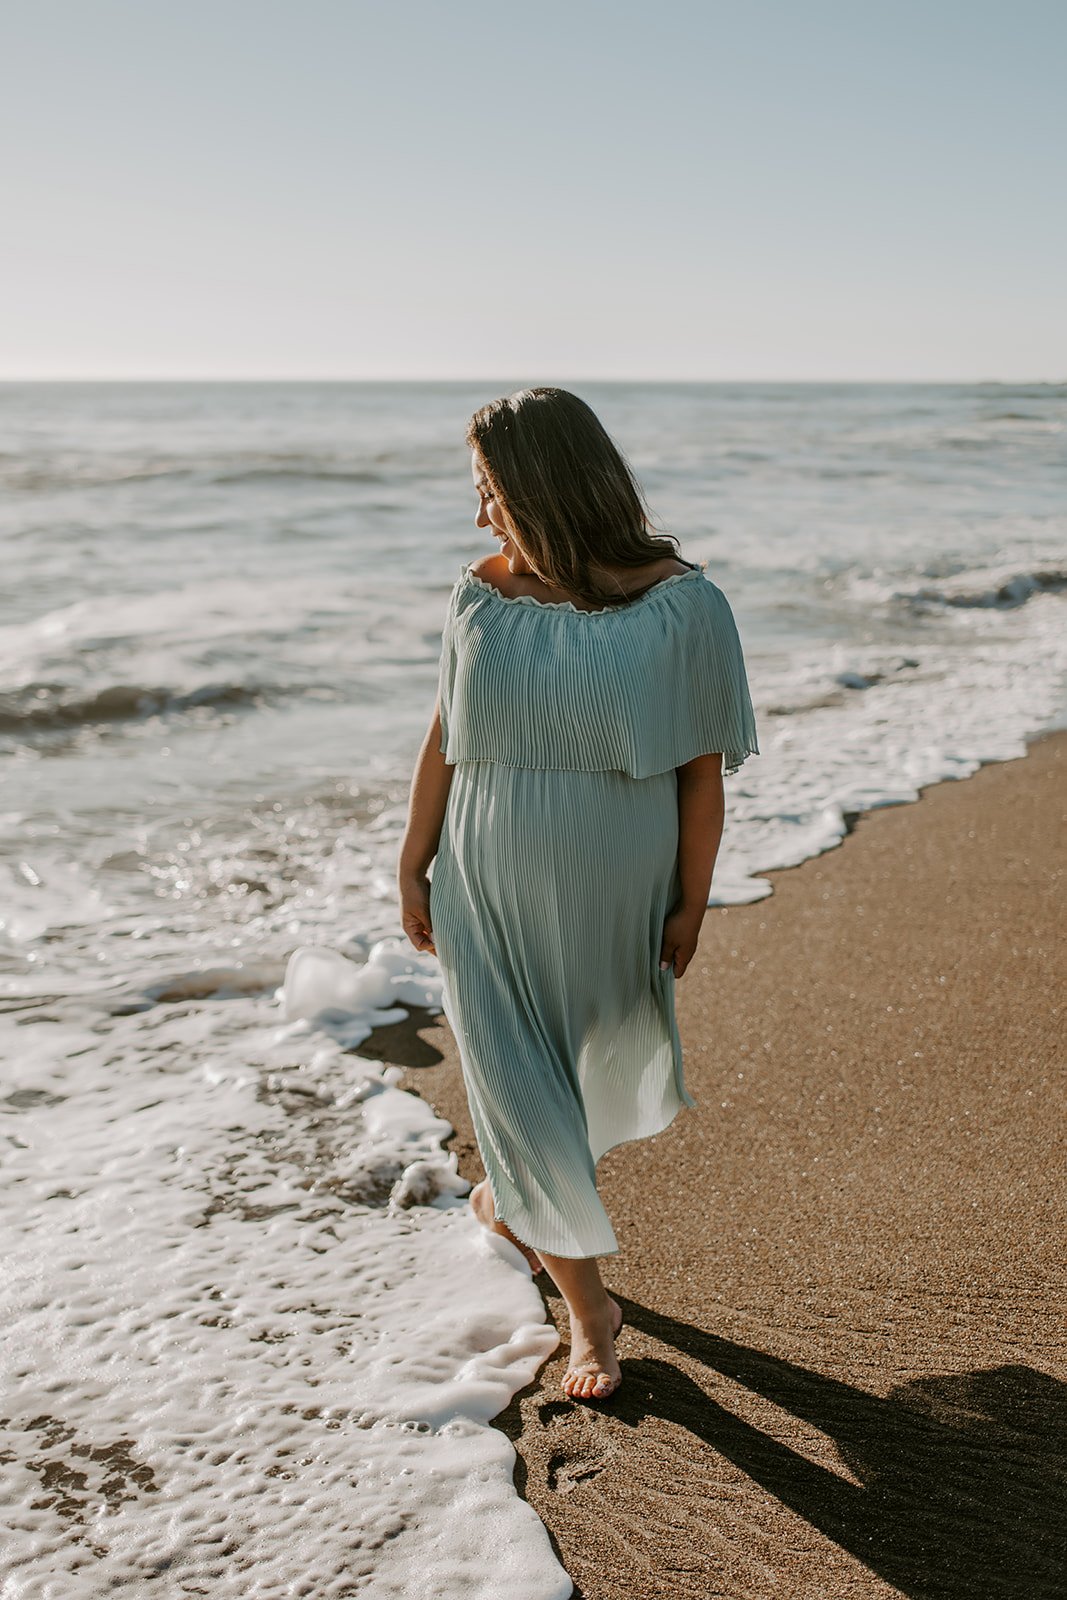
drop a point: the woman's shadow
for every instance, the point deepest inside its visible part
(961, 1488)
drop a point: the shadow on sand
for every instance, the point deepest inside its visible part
(961, 1488)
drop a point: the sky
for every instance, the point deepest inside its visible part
(823, 190)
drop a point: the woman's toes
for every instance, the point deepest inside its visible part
(578, 1385)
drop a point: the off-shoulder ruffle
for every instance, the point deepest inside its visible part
(524, 684)
(567, 605)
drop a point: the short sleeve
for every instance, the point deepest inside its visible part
(446, 672)
(713, 706)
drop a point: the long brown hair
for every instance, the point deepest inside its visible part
(565, 489)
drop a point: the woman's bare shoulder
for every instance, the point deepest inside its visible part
(647, 576)
(494, 569)
(672, 568)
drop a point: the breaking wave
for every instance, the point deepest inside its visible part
(31, 476)
(38, 707)
(1003, 595)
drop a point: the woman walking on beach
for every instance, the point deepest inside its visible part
(569, 796)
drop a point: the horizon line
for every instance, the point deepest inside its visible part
(576, 378)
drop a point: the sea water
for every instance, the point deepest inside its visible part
(255, 1339)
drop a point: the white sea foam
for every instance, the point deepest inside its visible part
(852, 729)
(258, 1334)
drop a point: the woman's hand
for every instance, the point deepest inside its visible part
(415, 910)
(681, 933)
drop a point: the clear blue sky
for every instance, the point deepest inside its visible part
(566, 188)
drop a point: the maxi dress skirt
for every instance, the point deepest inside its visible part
(548, 898)
(554, 874)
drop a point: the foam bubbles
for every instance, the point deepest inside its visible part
(255, 1335)
(850, 728)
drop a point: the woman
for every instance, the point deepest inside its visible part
(569, 796)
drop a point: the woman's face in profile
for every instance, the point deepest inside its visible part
(491, 515)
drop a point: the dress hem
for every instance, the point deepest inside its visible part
(561, 1255)
(688, 1104)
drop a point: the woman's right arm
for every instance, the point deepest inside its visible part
(426, 814)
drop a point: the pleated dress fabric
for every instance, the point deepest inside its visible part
(557, 867)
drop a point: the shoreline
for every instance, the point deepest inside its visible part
(840, 1271)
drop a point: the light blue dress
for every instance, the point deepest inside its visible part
(557, 867)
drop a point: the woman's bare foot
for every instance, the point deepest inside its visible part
(594, 1373)
(481, 1201)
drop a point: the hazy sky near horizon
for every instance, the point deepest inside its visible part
(562, 189)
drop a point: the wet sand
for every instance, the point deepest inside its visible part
(845, 1359)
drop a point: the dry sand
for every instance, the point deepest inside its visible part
(845, 1362)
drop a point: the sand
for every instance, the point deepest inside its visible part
(845, 1357)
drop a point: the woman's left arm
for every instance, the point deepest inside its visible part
(701, 812)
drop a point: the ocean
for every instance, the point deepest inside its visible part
(256, 1340)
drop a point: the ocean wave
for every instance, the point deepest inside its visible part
(54, 476)
(1023, 391)
(1002, 594)
(46, 706)
(314, 472)
(845, 683)
(28, 476)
